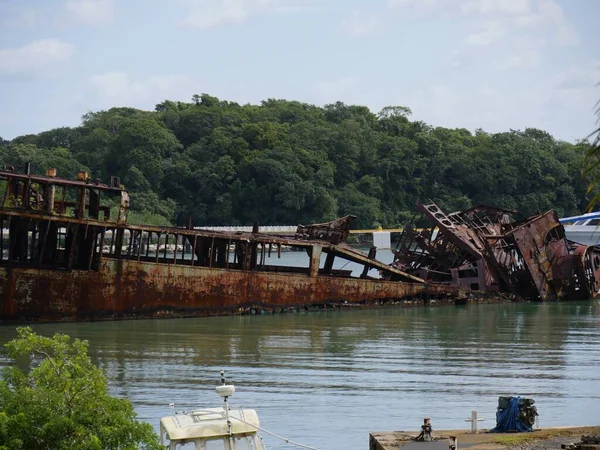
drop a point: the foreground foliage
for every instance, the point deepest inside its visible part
(286, 162)
(61, 401)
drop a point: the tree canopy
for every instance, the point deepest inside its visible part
(286, 162)
(61, 401)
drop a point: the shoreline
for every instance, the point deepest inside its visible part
(424, 300)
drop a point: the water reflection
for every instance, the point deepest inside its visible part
(329, 378)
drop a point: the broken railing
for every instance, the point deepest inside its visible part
(55, 223)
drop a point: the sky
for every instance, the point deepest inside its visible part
(490, 64)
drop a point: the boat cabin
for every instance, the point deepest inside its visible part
(222, 428)
(207, 429)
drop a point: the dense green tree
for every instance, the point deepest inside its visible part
(287, 162)
(58, 137)
(367, 208)
(142, 142)
(17, 155)
(93, 148)
(61, 400)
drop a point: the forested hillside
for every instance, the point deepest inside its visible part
(285, 162)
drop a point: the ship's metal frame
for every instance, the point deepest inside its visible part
(65, 257)
(483, 249)
(68, 253)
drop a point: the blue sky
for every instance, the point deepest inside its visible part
(491, 64)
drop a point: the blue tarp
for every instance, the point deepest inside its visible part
(507, 420)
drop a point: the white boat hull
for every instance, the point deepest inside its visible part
(583, 234)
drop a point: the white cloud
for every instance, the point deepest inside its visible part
(454, 60)
(111, 84)
(205, 14)
(520, 31)
(445, 105)
(542, 16)
(508, 16)
(437, 103)
(554, 16)
(27, 19)
(524, 60)
(524, 53)
(12, 16)
(118, 88)
(481, 106)
(585, 76)
(328, 91)
(508, 7)
(574, 93)
(486, 33)
(34, 57)
(91, 12)
(562, 104)
(419, 6)
(361, 24)
(461, 7)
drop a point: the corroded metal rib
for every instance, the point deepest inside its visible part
(69, 259)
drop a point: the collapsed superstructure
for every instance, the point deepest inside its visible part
(484, 249)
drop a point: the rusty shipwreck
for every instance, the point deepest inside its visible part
(68, 253)
(483, 249)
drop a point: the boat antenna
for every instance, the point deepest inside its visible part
(226, 391)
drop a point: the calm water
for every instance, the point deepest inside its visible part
(301, 259)
(327, 379)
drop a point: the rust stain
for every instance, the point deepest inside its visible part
(62, 259)
(129, 288)
(482, 248)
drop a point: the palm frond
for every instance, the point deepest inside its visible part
(592, 160)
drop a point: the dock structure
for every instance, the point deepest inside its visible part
(553, 437)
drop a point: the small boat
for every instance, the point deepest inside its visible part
(223, 428)
(584, 229)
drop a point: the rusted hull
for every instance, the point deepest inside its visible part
(484, 249)
(127, 289)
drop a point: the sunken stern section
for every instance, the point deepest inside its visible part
(67, 253)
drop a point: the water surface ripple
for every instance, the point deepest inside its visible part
(328, 379)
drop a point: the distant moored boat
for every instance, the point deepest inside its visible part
(584, 229)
